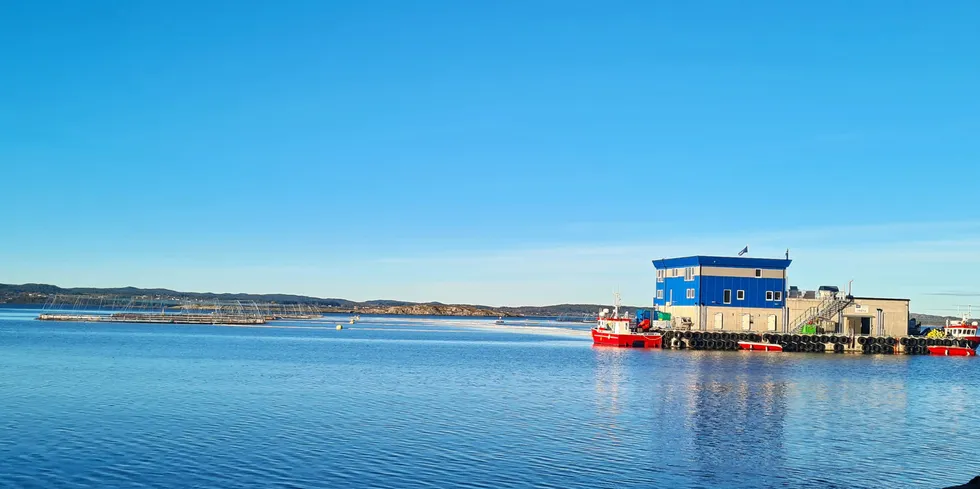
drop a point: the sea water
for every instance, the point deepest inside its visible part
(429, 402)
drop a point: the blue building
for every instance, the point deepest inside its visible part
(714, 292)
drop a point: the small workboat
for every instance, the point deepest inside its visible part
(964, 334)
(615, 330)
(499, 320)
(952, 351)
(962, 330)
(757, 346)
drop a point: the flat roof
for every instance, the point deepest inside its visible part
(857, 298)
(880, 299)
(722, 261)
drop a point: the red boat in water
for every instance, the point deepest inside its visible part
(613, 330)
(952, 351)
(752, 345)
(963, 330)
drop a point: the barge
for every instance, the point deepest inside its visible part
(799, 343)
(742, 303)
(640, 331)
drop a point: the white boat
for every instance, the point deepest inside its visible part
(500, 320)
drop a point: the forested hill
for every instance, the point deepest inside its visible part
(41, 293)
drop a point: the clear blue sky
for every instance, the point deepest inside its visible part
(506, 152)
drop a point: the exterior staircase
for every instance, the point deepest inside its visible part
(828, 309)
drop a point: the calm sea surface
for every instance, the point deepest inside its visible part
(437, 403)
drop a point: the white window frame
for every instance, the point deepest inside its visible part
(777, 296)
(758, 272)
(740, 295)
(660, 275)
(729, 292)
(660, 294)
(689, 274)
(690, 293)
(769, 295)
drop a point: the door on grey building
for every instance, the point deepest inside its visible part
(865, 326)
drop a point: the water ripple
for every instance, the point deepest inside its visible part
(423, 403)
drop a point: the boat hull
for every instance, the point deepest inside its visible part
(627, 340)
(754, 346)
(952, 351)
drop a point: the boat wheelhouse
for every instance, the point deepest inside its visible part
(611, 329)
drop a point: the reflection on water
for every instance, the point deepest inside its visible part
(754, 419)
(432, 403)
(738, 416)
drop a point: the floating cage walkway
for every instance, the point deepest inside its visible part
(106, 308)
(289, 311)
(583, 317)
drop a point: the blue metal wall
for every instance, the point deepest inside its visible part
(712, 291)
(679, 287)
(709, 290)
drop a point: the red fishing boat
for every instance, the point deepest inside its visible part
(614, 330)
(963, 330)
(965, 339)
(756, 346)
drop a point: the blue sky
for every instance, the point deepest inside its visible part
(505, 152)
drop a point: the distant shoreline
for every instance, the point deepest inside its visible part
(346, 315)
(331, 320)
(38, 295)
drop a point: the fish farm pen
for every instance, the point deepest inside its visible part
(273, 311)
(105, 308)
(577, 317)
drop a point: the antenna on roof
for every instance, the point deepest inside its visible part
(744, 250)
(787, 253)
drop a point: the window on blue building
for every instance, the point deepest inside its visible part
(740, 295)
(758, 273)
(777, 296)
(727, 297)
(688, 274)
(660, 294)
(768, 295)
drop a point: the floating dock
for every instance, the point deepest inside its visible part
(156, 318)
(809, 343)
